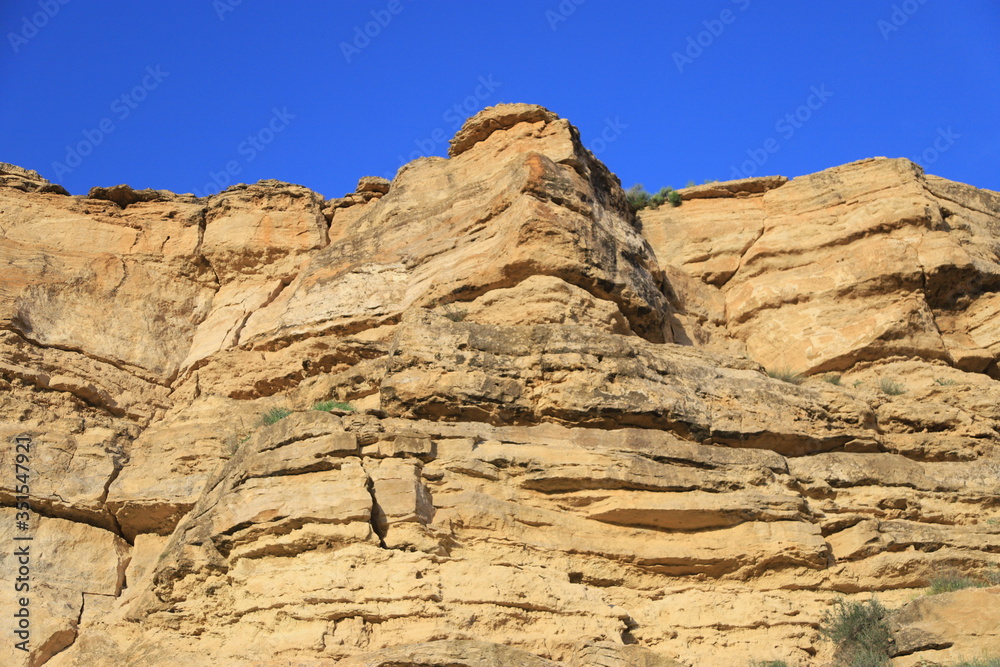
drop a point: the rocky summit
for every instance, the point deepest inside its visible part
(489, 414)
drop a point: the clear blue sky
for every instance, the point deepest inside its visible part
(172, 94)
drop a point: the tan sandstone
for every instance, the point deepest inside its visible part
(487, 414)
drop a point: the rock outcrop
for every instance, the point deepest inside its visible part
(854, 264)
(488, 414)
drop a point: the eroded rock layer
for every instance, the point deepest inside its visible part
(488, 414)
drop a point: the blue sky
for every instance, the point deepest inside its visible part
(189, 95)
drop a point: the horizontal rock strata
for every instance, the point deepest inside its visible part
(488, 414)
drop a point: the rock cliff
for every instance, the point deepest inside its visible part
(488, 414)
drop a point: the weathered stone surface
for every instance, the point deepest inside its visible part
(125, 196)
(561, 444)
(737, 188)
(540, 300)
(608, 654)
(71, 467)
(696, 510)
(494, 119)
(871, 537)
(440, 368)
(68, 554)
(268, 224)
(374, 184)
(26, 180)
(550, 209)
(402, 505)
(170, 463)
(53, 624)
(453, 653)
(842, 469)
(139, 332)
(905, 257)
(948, 628)
(59, 566)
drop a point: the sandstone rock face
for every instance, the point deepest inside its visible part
(949, 628)
(26, 180)
(487, 415)
(853, 264)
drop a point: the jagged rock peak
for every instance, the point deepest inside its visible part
(125, 196)
(27, 180)
(373, 184)
(491, 119)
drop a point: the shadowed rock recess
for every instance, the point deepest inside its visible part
(561, 443)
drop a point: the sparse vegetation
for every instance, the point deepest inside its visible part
(274, 415)
(639, 198)
(769, 663)
(954, 581)
(786, 375)
(944, 383)
(860, 632)
(240, 436)
(857, 383)
(980, 662)
(832, 378)
(890, 387)
(234, 441)
(454, 313)
(326, 406)
(664, 196)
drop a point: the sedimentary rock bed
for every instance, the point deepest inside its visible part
(488, 414)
